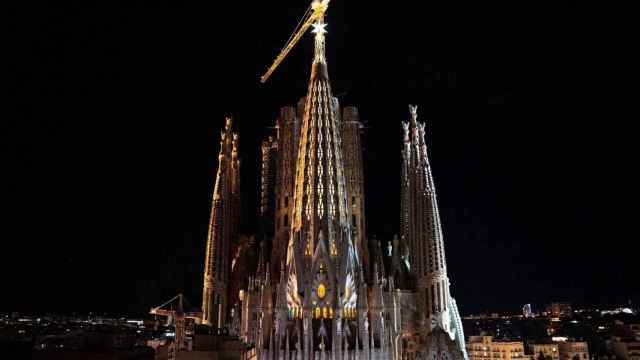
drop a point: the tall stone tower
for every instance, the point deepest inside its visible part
(223, 227)
(321, 285)
(288, 126)
(352, 155)
(268, 210)
(422, 232)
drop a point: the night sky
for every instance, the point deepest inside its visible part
(110, 145)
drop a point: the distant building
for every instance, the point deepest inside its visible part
(558, 309)
(627, 350)
(549, 350)
(526, 311)
(573, 350)
(484, 348)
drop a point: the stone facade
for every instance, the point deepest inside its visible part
(354, 176)
(320, 289)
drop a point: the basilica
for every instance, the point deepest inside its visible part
(312, 284)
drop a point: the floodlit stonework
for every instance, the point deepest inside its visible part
(223, 225)
(320, 289)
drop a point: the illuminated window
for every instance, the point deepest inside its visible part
(325, 312)
(318, 313)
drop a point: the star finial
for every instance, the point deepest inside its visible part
(319, 28)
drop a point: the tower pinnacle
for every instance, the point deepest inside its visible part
(422, 232)
(319, 30)
(223, 225)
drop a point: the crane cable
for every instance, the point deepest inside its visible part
(167, 302)
(300, 23)
(288, 45)
(312, 14)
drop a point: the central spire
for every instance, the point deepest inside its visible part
(320, 186)
(319, 67)
(321, 233)
(319, 30)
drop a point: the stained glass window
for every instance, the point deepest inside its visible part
(322, 291)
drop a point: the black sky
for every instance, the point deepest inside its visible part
(112, 137)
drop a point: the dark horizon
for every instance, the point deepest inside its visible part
(113, 132)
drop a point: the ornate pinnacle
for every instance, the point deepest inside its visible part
(413, 109)
(319, 30)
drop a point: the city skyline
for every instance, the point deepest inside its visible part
(110, 175)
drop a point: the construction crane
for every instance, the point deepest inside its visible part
(313, 15)
(173, 309)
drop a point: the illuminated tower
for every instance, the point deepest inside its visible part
(352, 155)
(422, 232)
(223, 225)
(323, 280)
(313, 301)
(320, 199)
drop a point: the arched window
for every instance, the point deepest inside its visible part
(286, 201)
(285, 222)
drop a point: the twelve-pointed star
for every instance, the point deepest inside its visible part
(319, 28)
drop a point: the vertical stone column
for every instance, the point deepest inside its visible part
(288, 125)
(354, 176)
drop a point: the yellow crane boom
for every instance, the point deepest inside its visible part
(318, 8)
